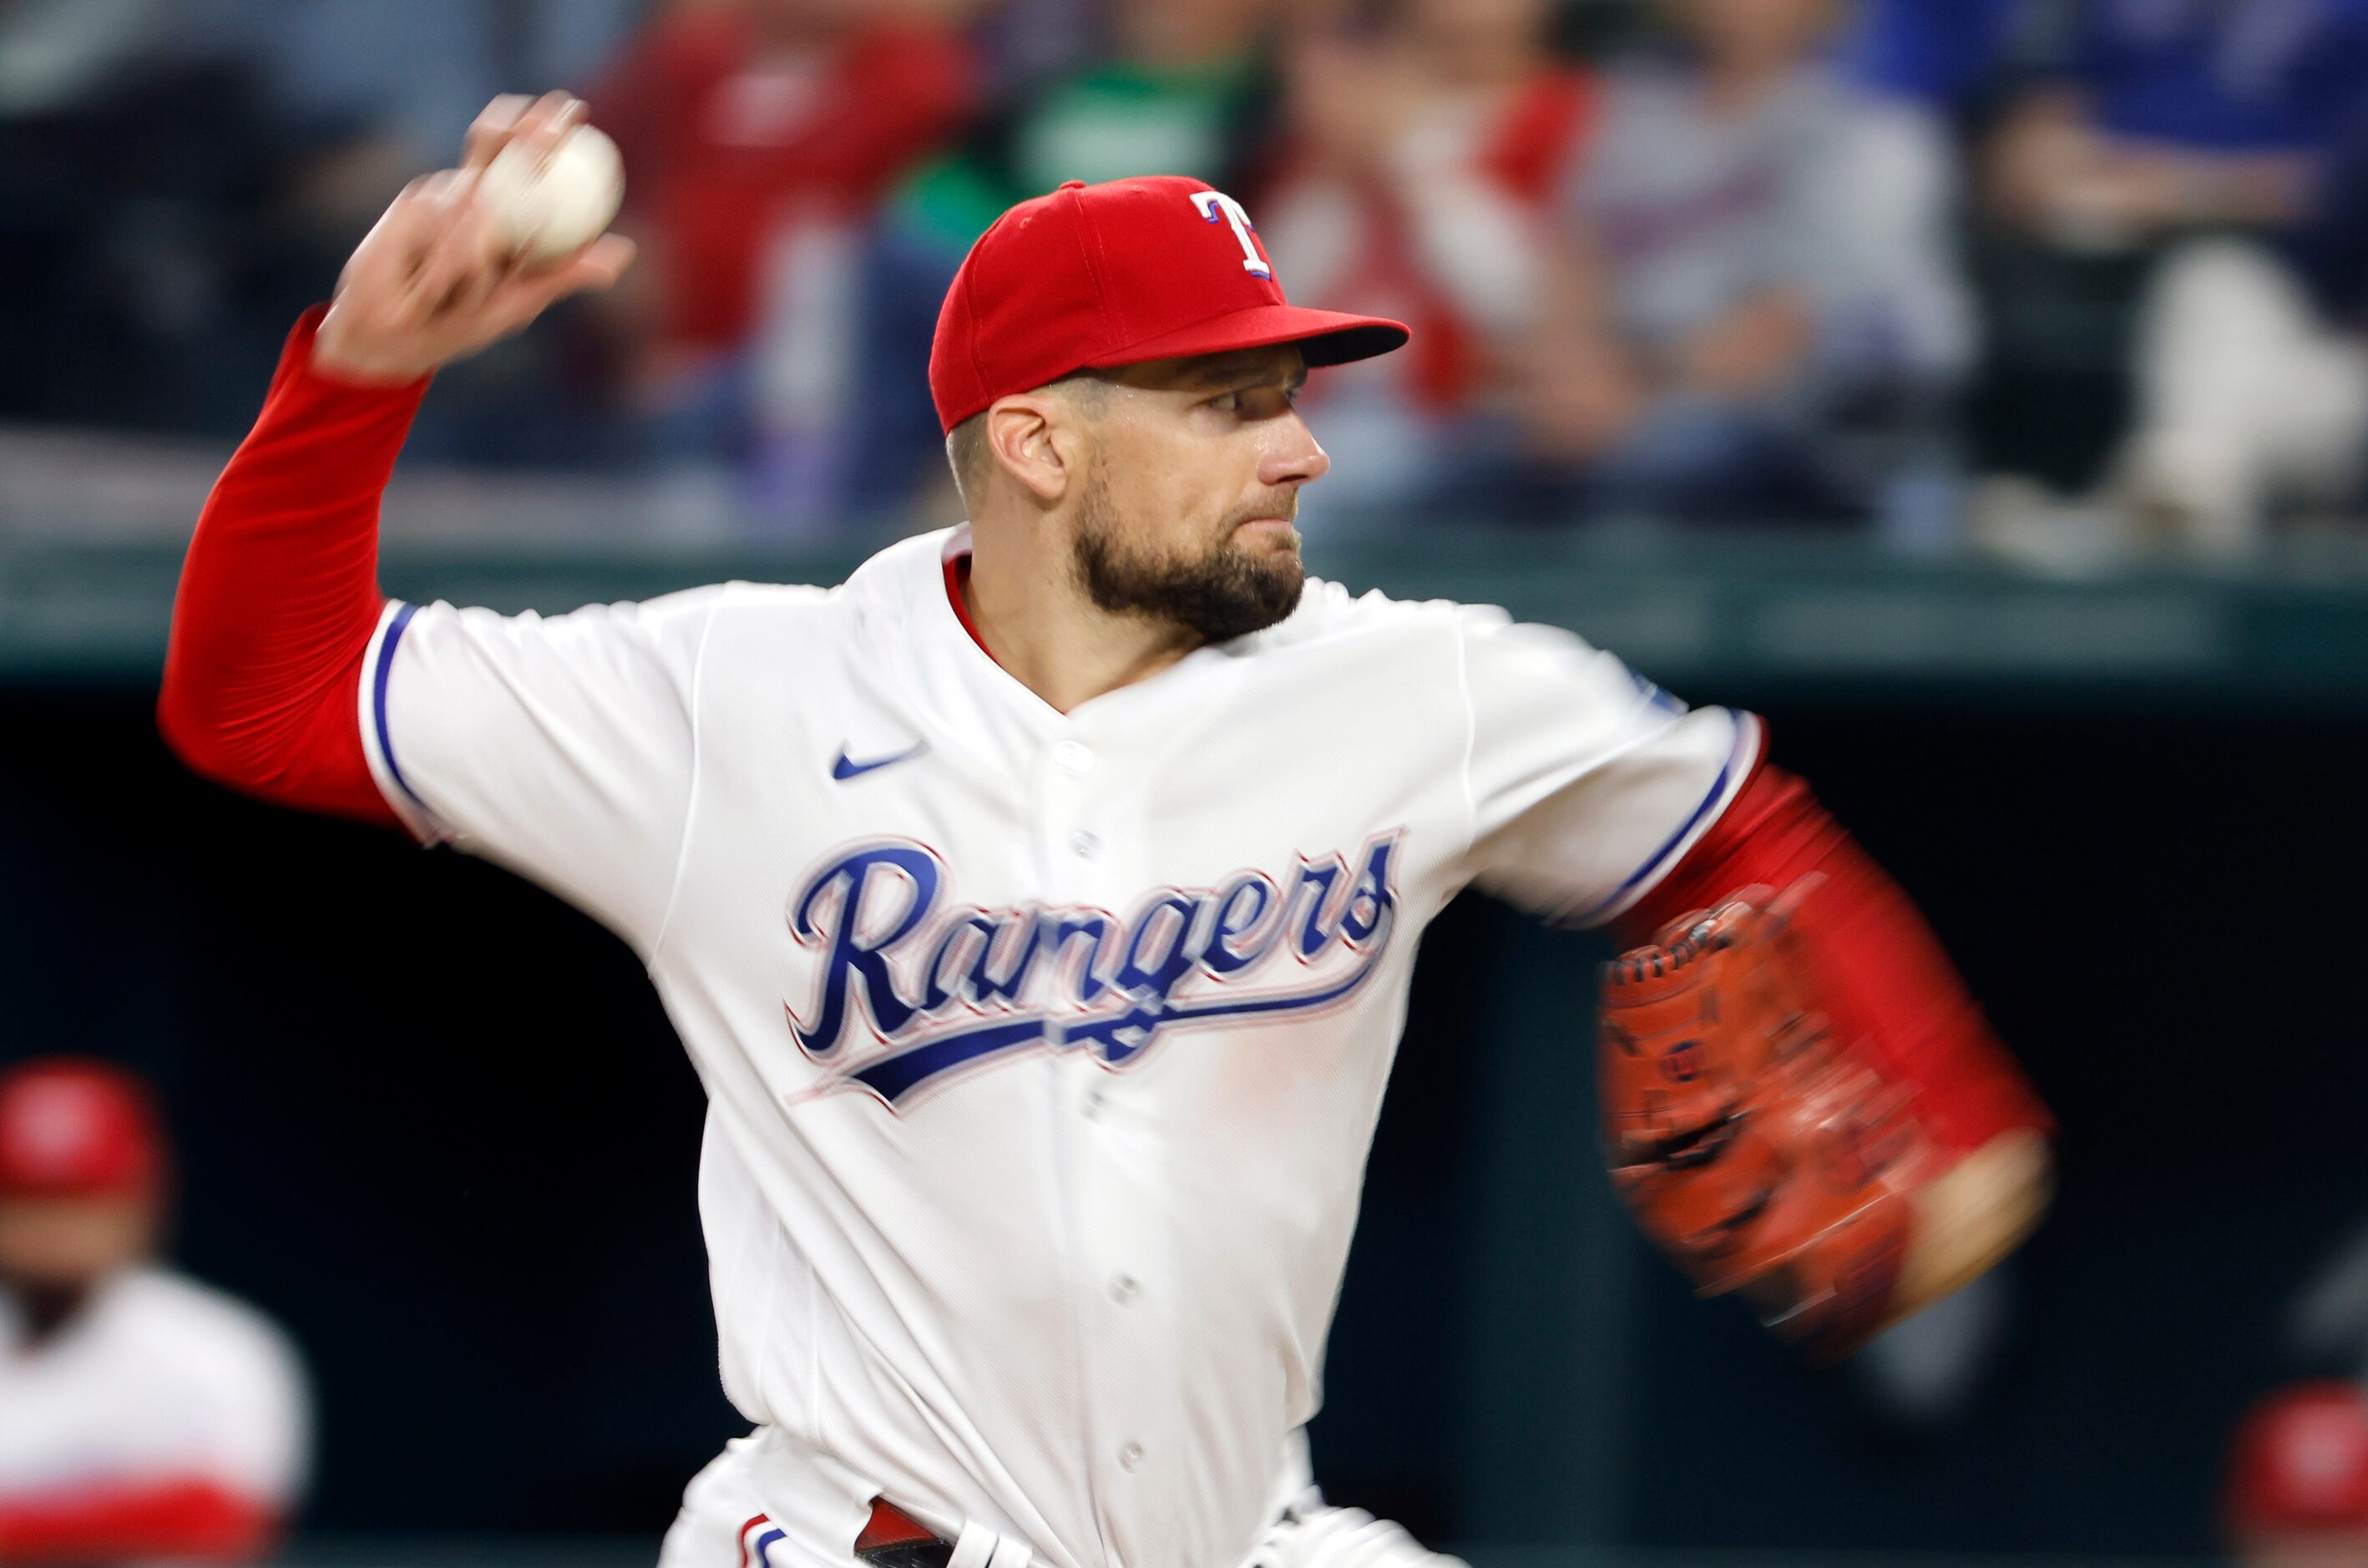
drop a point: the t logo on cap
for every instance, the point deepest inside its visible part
(1094, 277)
(1211, 203)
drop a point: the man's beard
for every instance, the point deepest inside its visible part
(46, 1307)
(1220, 593)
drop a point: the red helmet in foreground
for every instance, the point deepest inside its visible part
(2300, 1467)
(75, 1128)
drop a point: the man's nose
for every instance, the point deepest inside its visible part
(1296, 459)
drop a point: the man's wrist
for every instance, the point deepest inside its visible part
(335, 357)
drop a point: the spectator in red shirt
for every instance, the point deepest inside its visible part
(759, 138)
(1425, 166)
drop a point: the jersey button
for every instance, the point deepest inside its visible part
(1130, 1457)
(1124, 1289)
(1084, 844)
(1072, 757)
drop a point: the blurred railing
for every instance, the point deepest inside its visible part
(92, 530)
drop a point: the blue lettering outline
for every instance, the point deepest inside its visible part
(1176, 935)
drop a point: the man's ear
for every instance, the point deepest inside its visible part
(1034, 438)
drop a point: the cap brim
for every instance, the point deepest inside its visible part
(1325, 338)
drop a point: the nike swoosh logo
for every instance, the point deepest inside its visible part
(846, 767)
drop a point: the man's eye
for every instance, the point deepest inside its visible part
(1230, 403)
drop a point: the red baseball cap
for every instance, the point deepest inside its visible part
(1097, 276)
(2301, 1462)
(71, 1127)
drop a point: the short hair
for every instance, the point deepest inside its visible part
(966, 442)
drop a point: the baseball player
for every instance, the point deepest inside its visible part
(2296, 1494)
(1038, 905)
(142, 1415)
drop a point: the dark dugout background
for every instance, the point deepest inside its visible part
(436, 1122)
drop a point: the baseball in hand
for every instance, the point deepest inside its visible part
(548, 211)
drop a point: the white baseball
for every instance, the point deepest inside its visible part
(548, 211)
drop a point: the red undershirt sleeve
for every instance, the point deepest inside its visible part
(1881, 971)
(279, 597)
(181, 1520)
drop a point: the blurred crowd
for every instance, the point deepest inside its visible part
(2041, 271)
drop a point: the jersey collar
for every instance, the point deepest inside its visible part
(957, 583)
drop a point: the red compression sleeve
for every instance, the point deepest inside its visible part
(196, 1520)
(1878, 966)
(280, 595)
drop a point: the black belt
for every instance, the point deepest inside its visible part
(894, 1539)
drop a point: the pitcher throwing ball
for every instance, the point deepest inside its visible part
(1038, 905)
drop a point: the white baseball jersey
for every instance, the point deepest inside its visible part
(1043, 1050)
(158, 1382)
